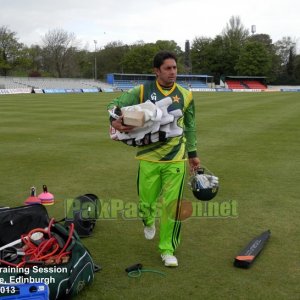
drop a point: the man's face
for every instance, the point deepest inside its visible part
(166, 74)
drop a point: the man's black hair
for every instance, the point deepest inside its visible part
(161, 56)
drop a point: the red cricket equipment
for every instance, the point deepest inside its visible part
(32, 199)
(49, 248)
(45, 197)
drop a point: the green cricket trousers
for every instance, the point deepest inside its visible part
(160, 188)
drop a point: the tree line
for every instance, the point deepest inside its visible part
(234, 52)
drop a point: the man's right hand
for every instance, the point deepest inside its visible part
(118, 125)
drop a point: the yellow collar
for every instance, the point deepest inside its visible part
(164, 91)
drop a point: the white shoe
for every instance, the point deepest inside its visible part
(169, 260)
(149, 232)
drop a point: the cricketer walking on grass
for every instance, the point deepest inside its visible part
(162, 154)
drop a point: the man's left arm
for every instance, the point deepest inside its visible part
(191, 138)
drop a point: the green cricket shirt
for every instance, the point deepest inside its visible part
(174, 148)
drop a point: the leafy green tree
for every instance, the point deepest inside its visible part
(208, 57)
(283, 50)
(283, 47)
(234, 37)
(266, 40)
(9, 50)
(263, 39)
(297, 69)
(139, 59)
(29, 61)
(110, 59)
(23, 63)
(187, 58)
(290, 66)
(200, 55)
(169, 46)
(85, 64)
(35, 54)
(254, 60)
(235, 30)
(220, 55)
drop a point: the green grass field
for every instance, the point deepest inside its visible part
(250, 140)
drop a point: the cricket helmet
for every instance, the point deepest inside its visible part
(204, 185)
(83, 212)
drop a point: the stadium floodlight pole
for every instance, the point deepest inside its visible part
(95, 67)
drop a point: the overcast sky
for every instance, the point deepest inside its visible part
(130, 21)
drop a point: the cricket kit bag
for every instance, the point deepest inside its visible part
(36, 249)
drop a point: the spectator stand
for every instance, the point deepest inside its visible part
(123, 82)
(244, 83)
(13, 85)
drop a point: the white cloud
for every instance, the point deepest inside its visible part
(132, 20)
